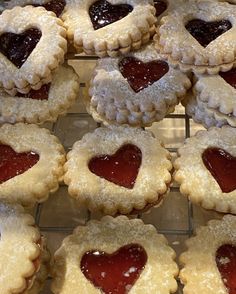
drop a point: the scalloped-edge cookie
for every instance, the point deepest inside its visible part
(56, 6)
(31, 163)
(150, 265)
(118, 170)
(40, 39)
(45, 104)
(139, 88)
(209, 262)
(208, 54)
(121, 36)
(206, 169)
(23, 252)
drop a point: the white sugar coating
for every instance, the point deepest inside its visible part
(109, 235)
(200, 273)
(100, 194)
(12, 3)
(195, 179)
(142, 108)
(174, 40)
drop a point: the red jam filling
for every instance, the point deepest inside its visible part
(229, 77)
(41, 94)
(103, 13)
(206, 32)
(18, 47)
(120, 168)
(13, 164)
(226, 263)
(140, 75)
(56, 6)
(114, 273)
(160, 6)
(222, 166)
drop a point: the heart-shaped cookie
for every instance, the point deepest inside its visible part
(140, 75)
(206, 32)
(222, 166)
(120, 168)
(103, 13)
(116, 272)
(226, 264)
(18, 47)
(229, 77)
(13, 164)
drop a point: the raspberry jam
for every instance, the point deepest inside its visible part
(160, 6)
(229, 77)
(120, 168)
(18, 47)
(56, 6)
(226, 264)
(41, 94)
(13, 164)
(114, 273)
(206, 32)
(102, 13)
(222, 166)
(140, 75)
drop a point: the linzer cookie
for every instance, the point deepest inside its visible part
(199, 36)
(23, 252)
(32, 45)
(114, 255)
(31, 163)
(209, 263)
(206, 169)
(41, 105)
(139, 89)
(107, 27)
(118, 170)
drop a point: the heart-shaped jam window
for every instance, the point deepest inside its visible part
(56, 6)
(120, 168)
(229, 77)
(18, 47)
(140, 75)
(13, 164)
(222, 166)
(116, 272)
(103, 13)
(226, 264)
(41, 94)
(160, 6)
(206, 32)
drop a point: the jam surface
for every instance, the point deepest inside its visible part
(41, 94)
(114, 273)
(56, 6)
(160, 6)
(18, 47)
(229, 77)
(206, 32)
(120, 168)
(222, 166)
(13, 164)
(102, 13)
(226, 263)
(140, 75)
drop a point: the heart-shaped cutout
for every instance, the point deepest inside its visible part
(13, 164)
(120, 168)
(116, 272)
(206, 32)
(18, 47)
(229, 77)
(160, 6)
(226, 264)
(103, 13)
(222, 166)
(140, 75)
(56, 6)
(41, 94)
